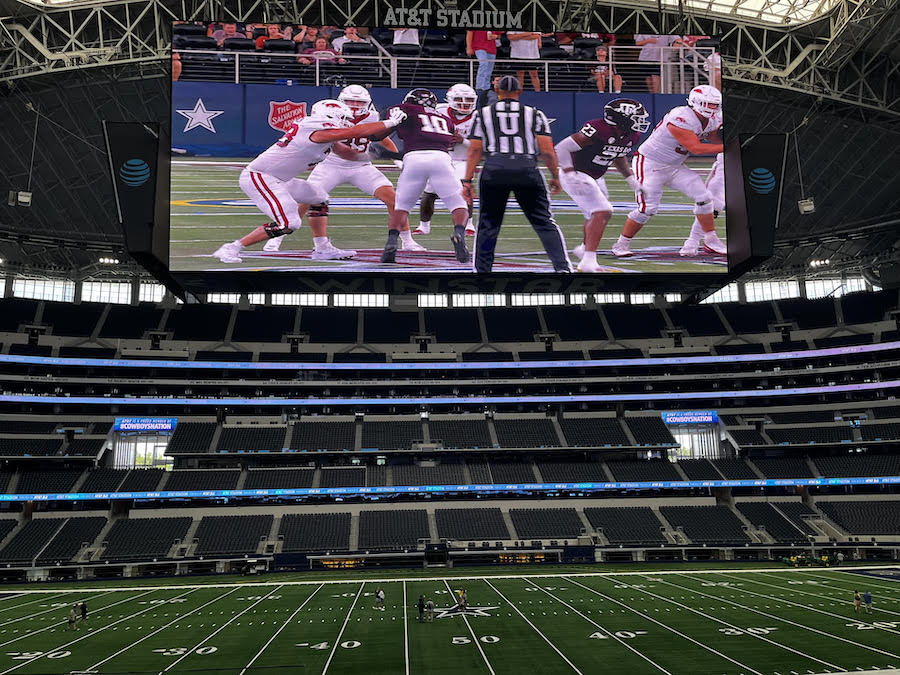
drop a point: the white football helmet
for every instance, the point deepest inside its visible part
(462, 98)
(356, 97)
(705, 100)
(332, 110)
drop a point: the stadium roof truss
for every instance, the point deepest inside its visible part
(843, 50)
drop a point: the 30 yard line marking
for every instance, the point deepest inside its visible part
(667, 627)
(475, 639)
(535, 628)
(731, 625)
(162, 628)
(91, 634)
(216, 632)
(405, 631)
(59, 623)
(343, 627)
(605, 630)
(280, 628)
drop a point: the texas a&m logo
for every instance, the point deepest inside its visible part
(282, 114)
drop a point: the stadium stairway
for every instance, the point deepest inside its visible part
(188, 545)
(755, 469)
(674, 535)
(758, 535)
(272, 544)
(507, 519)
(62, 524)
(95, 548)
(432, 525)
(812, 466)
(354, 532)
(12, 533)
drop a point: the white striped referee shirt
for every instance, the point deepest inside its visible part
(509, 128)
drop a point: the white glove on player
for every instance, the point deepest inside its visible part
(635, 184)
(395, 118)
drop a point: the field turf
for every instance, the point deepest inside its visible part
(209, 209)
(762, 622)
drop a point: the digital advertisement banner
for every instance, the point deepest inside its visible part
(145, 424)
(691, 417)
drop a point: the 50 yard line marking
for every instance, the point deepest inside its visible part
(535, 628)
(667, 627)
(605, 630)
(216, 632)
(475, 639)
(280, 628)
(343, 628)
(162, 628)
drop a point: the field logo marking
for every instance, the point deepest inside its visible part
(456, 610)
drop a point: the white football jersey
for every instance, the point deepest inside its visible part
(293, 153)
(463, 125)
(662, 147)
(359, 144)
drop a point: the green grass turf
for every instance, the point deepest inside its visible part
(657, 621)
(197, 229)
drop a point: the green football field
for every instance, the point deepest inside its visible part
(776, 622)
(208, 209)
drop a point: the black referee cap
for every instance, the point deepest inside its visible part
(509, 83)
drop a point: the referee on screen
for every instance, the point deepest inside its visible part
(511, 136)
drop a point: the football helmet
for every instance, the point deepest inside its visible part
(705, 100)
(462, 98)
(356, 97)
(627, 115)
(332, 110)
(422, 97)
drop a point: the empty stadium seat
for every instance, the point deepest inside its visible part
(868, 517)
(560, 523)
(230, 535)
(399, 435)
(706, 524)
(191, 438)
(392, 529)
(526, 433)
(144, 537)
(649, 431)
(470, 433)
(315, 532)
(471, 524)
(69, 539)
(775, 523)
(313, 435)
(644, 470)
(586, 432)
(274, 479)
(253, 438)
(635, 525)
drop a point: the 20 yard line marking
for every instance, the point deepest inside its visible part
(475, 639)
(405, 631)
(667, 627)
(343, 628)
(91, 634)
(162, 628)
(216, 632)
(731, 625)
(605, 630)
(536, 630)
(280, 628)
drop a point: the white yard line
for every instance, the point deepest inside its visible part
(161, 628)
(475, 639)
(280, 628)
(794, 589)
(608, 632)
(871, 582)
(667, 627)
(535, 628)
(25, 604)
(52, 609)
(60, 623)
(405, 632)
(92, 633)
(343, 627)
(216, 632)
(387, 580)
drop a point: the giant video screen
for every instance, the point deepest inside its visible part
(404, 151)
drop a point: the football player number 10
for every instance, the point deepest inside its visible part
(434, 124)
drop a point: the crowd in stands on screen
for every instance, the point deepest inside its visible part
(351, 34)
(322, 52)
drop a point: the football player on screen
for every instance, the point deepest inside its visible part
(659, 162)
(584, 158)
(427, 138)
(270, 179)
(348, 163)
(460, 107)
(715, 183)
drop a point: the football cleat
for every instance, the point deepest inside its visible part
(228, 253)
(712, 244)
(578, 251)
(459, 248)
(412, 246)
(422, 230)
(622, 250)
(470, 231)
(273, 245)
(690, 249)
(389, 254)
(585, 266)
(331, 252)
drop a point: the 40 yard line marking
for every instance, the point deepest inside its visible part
(46, 611)
(343, 627)
(535, 628)
(280, 628)
(731, 625)
(30, 602)
(91, 634)
(162, 628)
(667, 627)
(475, 639)
(605, 630)
(216, 632)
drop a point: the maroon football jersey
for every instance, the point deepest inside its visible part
(605, 146)
(424, 129)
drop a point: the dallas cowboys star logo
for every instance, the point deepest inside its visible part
(200, 116)
(443, 613)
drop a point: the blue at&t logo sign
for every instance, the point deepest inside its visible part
(761, 181)
(134, 172)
